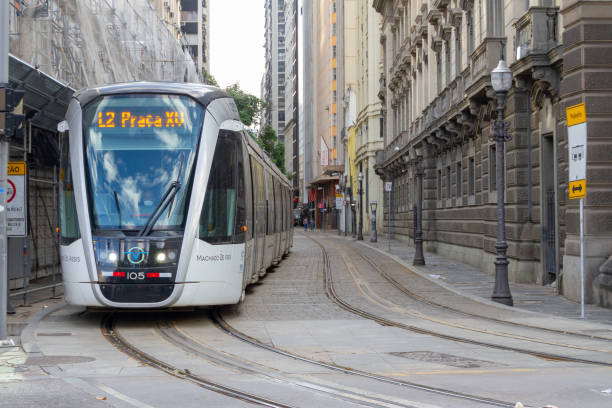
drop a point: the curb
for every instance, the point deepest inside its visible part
(28, 337)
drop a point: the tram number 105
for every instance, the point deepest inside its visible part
(135, 275)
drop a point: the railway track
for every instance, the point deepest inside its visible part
(331, 293)
(431, 302)
(114, 337)
(221, 323)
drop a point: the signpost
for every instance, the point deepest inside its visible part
(388, 187)
(577, 186)
(16, 200)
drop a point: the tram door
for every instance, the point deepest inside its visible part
(259, 218)
(244, 170)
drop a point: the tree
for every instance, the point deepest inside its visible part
(209, 79)
(272, 146)
(249, 106)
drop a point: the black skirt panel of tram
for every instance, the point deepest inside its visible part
(136, 293)
(137, 269)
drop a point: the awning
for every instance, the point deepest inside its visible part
(44, 95)
(323, 179)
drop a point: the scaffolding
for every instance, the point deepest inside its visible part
(90, 42)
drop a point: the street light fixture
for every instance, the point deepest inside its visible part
(373, 236)
(501, 80)
(360, 179)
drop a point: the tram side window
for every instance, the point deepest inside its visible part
(224, 207)
(241, 211)
(278, 202)
(270, 186)
(69, 225)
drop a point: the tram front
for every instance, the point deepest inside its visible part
(137, 153)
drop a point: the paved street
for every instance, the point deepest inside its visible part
(438, 345)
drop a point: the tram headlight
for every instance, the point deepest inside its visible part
(160, 257)
(112, 256)
(171, 255)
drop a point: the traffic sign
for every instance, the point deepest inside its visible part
(16, 200)
(388, 185)
(577, 145)
(577, 189)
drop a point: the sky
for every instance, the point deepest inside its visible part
(237, 51)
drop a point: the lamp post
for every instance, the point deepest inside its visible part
(373, 236)
(360, 179)
(419, 259)
(501, 80)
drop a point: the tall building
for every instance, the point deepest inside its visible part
(362, 116)
(439, 104)
(273, 82)
(170, 12)
(291, 130)
(322, 109)
(196, 29)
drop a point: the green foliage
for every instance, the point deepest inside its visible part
(249, 106)
(209, 79)
(272, 146)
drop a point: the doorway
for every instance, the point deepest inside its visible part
(548, 210)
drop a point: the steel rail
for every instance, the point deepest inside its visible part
(221, 323)
(109, 331)
(172, 334)
(423, 299)
(329, 288)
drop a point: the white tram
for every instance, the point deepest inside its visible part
(165, 200)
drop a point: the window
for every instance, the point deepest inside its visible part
(492, 168)
(459, 180)
(471, 177)
(458, 50)
(448, 182)
(440, 185)
(69, 224)
(224, 211)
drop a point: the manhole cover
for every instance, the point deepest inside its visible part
(446, 359)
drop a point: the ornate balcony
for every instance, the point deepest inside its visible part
(440, 4)
(484, 59)
(537, 32)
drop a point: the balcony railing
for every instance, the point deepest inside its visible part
(537, 32)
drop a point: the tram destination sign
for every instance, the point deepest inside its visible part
(168, 119)
(16, 200)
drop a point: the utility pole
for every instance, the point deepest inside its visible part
(4, 80)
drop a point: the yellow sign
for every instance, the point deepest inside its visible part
(16, 168)
(577, 189)
(130, 120)
(575, 114)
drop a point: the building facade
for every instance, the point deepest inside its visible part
(196, 29)
(291, 130)
(362, 121)
(170, 12)
(322, 83)
(438, 106)
(273, 82)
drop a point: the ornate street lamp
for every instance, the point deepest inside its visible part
(360, 179)
(419, 259)
(501, 80)
(373, 237)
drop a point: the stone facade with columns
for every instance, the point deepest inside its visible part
(438, 103)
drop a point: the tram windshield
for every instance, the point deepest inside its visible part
(137, 148)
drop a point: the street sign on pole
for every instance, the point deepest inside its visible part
(16, 200)
(388, 186)
(577, 183)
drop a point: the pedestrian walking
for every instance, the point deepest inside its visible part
(312, 224)
(305, 224)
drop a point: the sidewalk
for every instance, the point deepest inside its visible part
(40, 296)
(472, 282)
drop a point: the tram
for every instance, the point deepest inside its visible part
(165, 199)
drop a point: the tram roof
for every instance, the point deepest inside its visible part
(202, 93)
